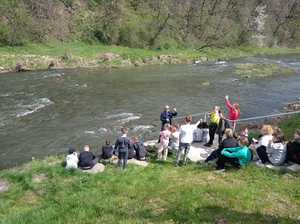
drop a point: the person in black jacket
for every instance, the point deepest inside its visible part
(228, 142)
(87, 160)
(139, 149)
(122, 147)
(166, 116)
(293, 149)
(107, 150)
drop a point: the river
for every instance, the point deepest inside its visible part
(43, 112)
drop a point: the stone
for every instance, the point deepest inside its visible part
(39, 178)
(4, 186)
(98, 168)
(138, 162)
(109, 56)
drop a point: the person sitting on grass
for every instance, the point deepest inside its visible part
(186, 132)
(72, 159)
(107, 150)
(122, 147)
(228, 142)
(162, 149)
(293, 149)
(237, 157)
(139, 148)
(87, 160)
(267, 136)
(276, 148)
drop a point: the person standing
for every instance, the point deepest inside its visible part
(162, 150)
(186, 132)
(122, 147)
(166, 116)
(233, 115)
(214, 125)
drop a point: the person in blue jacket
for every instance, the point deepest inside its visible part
(167, 115)
(237, 157)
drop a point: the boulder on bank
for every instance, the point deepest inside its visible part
(20, 68)
(98, 168)
(109, 56)
(4, 186)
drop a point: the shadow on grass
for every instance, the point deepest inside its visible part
(214, 214)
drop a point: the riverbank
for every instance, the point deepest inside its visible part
(43, 191)
(60, 55)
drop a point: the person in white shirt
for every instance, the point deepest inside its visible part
(72, 159)
(263, 143)
(185, 139)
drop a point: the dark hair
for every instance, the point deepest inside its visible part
(71, 150)
(188, 118)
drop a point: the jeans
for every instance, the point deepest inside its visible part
(223, 160)
(183, 148)
(123, 157)
(262, 154)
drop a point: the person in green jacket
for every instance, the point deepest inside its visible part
(237, 157)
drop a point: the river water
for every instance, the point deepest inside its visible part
(43, 112)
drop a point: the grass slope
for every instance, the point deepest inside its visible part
(159, 193)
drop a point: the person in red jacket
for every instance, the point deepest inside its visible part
(234, 113)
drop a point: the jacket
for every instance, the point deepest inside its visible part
(276, 153)
(234, 114)
(243, 154)
(166, 117)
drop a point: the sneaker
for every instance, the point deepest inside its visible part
(220, 170)
(259, 163)
(207, 145)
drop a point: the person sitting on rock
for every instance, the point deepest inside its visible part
(228, 142)
(87, 160)
(261, 149)
(122, 147)
(276, 148)
(107, 151)
(139, 148)
(237, 157)
(293, 149)
(166, 116)
(72, 159)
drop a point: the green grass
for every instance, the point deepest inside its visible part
(159, 193)
(30, 54)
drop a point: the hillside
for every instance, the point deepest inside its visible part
(152, 24)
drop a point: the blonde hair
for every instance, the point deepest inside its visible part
(267, 130)
(167, 126)
(229, 133)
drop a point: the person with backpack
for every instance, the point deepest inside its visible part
(107, 150)
(122, 147)
(139, 148)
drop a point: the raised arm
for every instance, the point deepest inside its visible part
(228, 104)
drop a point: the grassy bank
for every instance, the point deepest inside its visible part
(43, 192)
(78, 54)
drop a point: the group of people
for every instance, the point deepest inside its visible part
(233, 148)
(124, 149)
